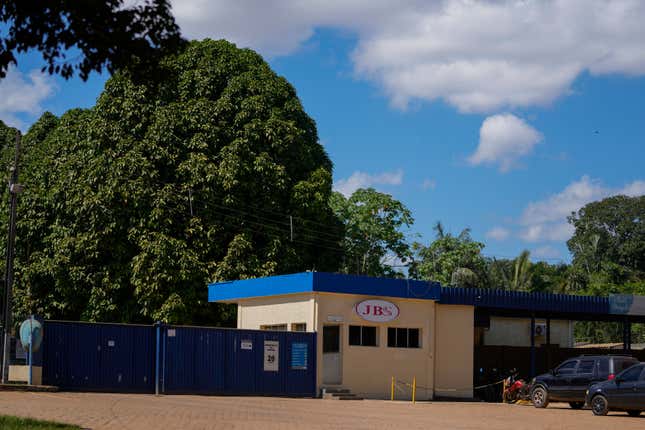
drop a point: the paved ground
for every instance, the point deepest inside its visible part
(145, 412)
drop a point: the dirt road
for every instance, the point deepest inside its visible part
(146, 412)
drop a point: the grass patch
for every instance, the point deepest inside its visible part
(16, 423)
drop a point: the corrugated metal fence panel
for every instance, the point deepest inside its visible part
(102, 357)
(199, 360)
(224, 361)
(193, 360)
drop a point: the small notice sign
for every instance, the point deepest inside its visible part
(299, 353)
(271, 355)
(111, 343)
(172, 332)
(246, 344)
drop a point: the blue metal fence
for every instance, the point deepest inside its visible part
(98, 357)
(184, 360)
(245, 362)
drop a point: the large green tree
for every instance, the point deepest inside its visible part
(131, 207)
(374, 226)
(608, 248)
(609, 231)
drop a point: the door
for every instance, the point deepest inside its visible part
(560, 384)
(639, 397)
(332, 366)
(627, 389)
(581, 380)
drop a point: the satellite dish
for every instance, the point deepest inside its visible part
(31, 333)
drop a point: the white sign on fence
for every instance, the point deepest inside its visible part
(246, 344)
(271, 355)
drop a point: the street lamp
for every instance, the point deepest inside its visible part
(14, 189)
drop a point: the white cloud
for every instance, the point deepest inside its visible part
(20, 93)
(546, 252)
(479, 56)
(545, 220)
(498, 233)
(555, 232)
(429, 184)
(635, 189)
(363, 180)
(504, 139)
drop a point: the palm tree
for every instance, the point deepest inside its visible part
(522, 277)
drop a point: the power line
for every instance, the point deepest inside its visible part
(280, 230)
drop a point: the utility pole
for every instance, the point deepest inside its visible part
(14, 189)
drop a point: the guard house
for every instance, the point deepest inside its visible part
(372, 329)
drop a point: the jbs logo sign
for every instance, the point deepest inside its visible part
(377, 310)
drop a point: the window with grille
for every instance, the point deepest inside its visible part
(363, 335)
(403, 337)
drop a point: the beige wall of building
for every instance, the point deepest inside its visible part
(444, 358)
(455, 351)
(288, 309)
(368, 370)
(517, 332)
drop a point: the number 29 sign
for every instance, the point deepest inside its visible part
(377, 310)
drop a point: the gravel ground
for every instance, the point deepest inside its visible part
(145, 412)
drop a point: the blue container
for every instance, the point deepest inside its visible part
(99, 357)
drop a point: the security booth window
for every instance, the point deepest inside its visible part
(274, 327)
(362, 335)
(403, 337)
(299, 327)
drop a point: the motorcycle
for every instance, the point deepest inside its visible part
(515, 389)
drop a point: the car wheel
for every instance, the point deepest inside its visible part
(633, 413)
(540, 397)
(599, 405)
(576, 405)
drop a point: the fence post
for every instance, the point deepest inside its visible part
(157, 357)
(31, 349)
(392, 389)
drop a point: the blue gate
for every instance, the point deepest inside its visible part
(244, 362)
(185, 360)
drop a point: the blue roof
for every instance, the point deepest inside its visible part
(497, 300)
(308, 282)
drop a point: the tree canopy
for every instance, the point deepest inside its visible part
(374, 240)
(451, 260)
(131, 207)
(86, 36)
(609, 231)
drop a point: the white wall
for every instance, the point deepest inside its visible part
(517, 332)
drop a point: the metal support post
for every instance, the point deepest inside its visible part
(157, 357)
(532, 346)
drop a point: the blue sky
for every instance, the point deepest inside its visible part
(500, 127)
